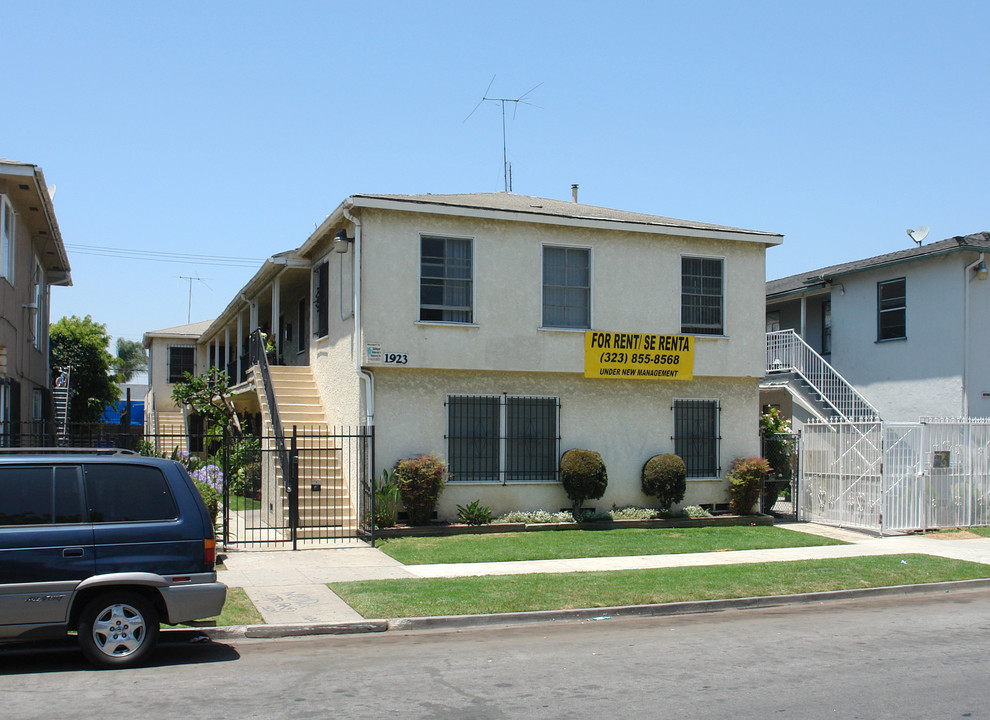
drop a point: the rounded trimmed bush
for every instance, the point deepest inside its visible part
(583, 475)
(665, 478)
(420, 480)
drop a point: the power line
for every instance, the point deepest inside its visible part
(156, 256)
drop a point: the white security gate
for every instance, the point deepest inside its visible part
(896, 476)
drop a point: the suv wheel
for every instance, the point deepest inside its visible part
(118, 629)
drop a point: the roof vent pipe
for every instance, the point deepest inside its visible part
(574, 188)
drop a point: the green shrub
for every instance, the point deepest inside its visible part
(583, 475)
(474, 513)
(746, 483)
(665, 478)
(420, 480)
(386, 500)
(696, 511)
(210, 498)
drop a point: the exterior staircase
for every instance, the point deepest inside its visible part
(793, 364)
(170, 431)
(325, 506)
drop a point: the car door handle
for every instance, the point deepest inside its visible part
(72, 552)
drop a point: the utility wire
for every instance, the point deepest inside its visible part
(156, 256)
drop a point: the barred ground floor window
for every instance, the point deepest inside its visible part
(503, 438)
(696, 436)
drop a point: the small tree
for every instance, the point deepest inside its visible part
(583, 475)
(131, 359)
(746, 482)
(421, 480)
(665, 477)
(83, 345)
(208, 395)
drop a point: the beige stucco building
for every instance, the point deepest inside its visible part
(32, 260)
(459, 325)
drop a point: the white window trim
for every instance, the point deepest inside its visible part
(725, 292)
(502, 430)
(718, 431)
(591, 287)
(7, 261)
(474, 283)
(38, 298)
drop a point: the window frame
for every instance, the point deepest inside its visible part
(321, 298)
(38, 297)
(172, 378)
(711, 471)
(694, 328)
(889, 311)
(589, 299)
(504, 439)
(443, 308)
(8, 240)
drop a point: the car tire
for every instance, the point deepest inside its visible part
(118, 629)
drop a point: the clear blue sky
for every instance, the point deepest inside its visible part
(218, 128)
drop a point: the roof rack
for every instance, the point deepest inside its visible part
(65, 451)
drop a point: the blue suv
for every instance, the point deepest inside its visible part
(107, 545)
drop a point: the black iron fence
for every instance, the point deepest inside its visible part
(325, 496)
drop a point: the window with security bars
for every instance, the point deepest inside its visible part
(566, 287)
(696, 436)
(181, 360)
(892, 310)
(702, 296)
(445, 280)
(502, 438)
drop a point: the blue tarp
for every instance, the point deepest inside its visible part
(137, 413)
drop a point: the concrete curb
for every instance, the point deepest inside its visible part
(693, 607)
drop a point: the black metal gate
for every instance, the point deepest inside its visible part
(318, 491)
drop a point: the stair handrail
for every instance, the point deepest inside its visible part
(788, 352)
(258, 356)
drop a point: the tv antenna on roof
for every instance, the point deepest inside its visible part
(506, 166)
(190, 278)
(919, 234)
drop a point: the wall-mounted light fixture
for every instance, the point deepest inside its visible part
(341, 241)
(981, 270)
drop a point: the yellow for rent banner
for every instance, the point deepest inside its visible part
(638, 356)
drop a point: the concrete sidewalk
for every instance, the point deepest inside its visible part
(290, 587)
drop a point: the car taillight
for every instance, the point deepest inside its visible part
(210, 551)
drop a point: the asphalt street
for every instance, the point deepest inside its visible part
(906, 657)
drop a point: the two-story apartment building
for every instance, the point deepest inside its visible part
(172, 352)
(907, 330)
(500, 330)
(32, 260)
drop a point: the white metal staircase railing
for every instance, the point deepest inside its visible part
(788, 352)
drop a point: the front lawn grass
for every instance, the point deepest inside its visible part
(559, 544)
(518, 593)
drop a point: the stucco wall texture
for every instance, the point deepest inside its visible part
(626, 421)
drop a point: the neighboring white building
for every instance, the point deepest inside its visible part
(172, 352)
(909, 330)
(32, 260)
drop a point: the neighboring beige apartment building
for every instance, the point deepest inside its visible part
(32, 260)
(500, 330)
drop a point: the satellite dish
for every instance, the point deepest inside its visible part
(919, 233)
(51, 192)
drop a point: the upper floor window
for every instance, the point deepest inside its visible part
(7, 217)
(38, 300)
(445, 292)
(891, 310)
(321, 299)
(702, 296)
(181, 360)
(566, 287)
(827, 327)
